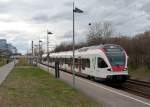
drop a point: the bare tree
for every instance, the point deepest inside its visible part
(107, 30)
(99, 32)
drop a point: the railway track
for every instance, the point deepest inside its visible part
(137, 87)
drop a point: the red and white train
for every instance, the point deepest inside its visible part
(102, 62)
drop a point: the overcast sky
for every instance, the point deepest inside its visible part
(24, 20)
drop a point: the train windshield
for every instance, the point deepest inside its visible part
(116, 58)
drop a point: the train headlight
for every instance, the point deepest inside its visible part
(125, 69)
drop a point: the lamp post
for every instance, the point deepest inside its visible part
(32, 52)
(39, 56)
(48, 32)
(36, 53)
(75, 10)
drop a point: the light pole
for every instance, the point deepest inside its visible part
(39, 56)
(75, 10)
(48, 32)
(36, 53)
(32, 52)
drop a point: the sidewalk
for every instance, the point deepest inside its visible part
(5, 70)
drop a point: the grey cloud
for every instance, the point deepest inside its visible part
(62, 16)
(128, 16)
(21, 42)
(2, 35)
(79, 37)
(41, 18)
(56, 16)
(146, 8)
(68, 4)
(7, 20)
(66, 37)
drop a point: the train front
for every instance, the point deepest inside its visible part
(118, 60)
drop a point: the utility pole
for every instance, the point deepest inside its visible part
(47, 43)
(32, 47)
(32, 53)
(48, 50)
(75, 10)
(48, 32)
(39, 53)
(73, 67)
(36, 53)
(39, 56)
(27, 56)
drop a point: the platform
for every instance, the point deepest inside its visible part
(108, 96)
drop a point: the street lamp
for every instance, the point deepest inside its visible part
(48, 33)
(75, 10)
(39, 51)
(36, 53)
(90, 24)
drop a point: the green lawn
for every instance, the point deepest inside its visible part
(23, 62)
(142, 73)
(2, 61)
(32, 87)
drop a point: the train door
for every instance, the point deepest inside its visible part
(101, 67)
(93, 63)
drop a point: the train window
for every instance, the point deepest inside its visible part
(68, 61)
(44, 59)
(76, 62)
(54, 59)
(85, 63)
(101, 63)
(47, 58)
(60, 60)
(50, 60)
(65, 60)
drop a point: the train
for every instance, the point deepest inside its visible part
(105, 62)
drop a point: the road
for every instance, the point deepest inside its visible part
(5, 70)
(105, 95)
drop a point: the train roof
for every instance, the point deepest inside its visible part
(101, 46)
(85, 50)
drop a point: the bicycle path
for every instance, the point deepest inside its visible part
(5, 70)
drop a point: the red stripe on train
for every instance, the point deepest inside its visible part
(118, 68)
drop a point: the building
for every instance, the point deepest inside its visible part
(7, 49)
(3, 44)
(11, 48)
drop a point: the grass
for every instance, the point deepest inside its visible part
(23, 62)
(3, 61)
(142, 73)
(32, 87)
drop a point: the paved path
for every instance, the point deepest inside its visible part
(5, 70)
(106, 95)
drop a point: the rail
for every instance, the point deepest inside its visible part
(140, 88)
(137, 87)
